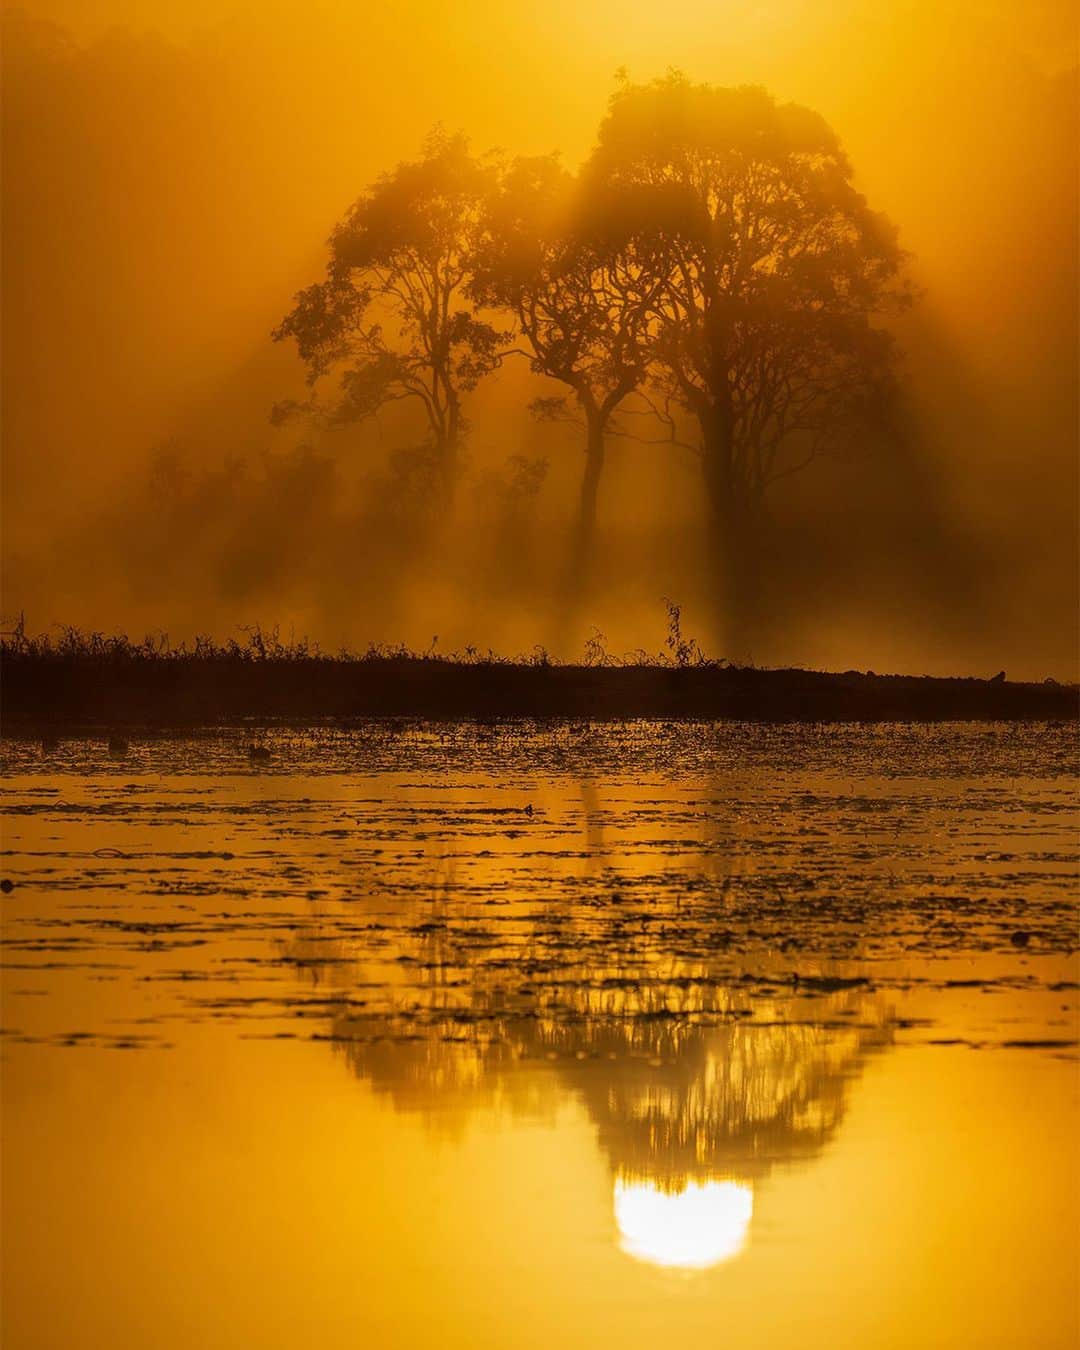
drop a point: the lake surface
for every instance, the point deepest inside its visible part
(568, 1036)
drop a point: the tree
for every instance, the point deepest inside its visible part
(581, 322)
(392, 319)
(771, 268)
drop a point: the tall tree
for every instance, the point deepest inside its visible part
(772, 268)
(392, 320)
(581, 319)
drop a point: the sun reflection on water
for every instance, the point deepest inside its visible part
(700, 1226)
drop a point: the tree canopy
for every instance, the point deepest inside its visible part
(711, 259)
(392, 318)
(768, 268)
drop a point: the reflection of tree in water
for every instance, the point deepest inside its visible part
(686, 1074)
(729, 1100)
(648, 957)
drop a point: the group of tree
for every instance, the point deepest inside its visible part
(710, 278)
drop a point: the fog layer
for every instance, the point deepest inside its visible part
(170, 182)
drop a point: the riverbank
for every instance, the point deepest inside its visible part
(46, 687)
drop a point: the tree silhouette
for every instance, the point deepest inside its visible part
(392, 319)
(711, 261)
(771, 267)
(582, 321)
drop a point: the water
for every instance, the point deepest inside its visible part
(634, 1035)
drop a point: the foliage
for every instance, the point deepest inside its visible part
(768, 268)
(392, 316)
(710, 279)
(581, 324)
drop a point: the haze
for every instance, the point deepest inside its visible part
(172, 173)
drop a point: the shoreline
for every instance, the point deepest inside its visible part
(42, 692)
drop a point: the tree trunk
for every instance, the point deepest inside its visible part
(733, 539)
(448, 446)
(575, 587)
(585, 528)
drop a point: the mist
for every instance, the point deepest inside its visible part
(170, 184)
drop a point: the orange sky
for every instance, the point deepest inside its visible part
(163, 204)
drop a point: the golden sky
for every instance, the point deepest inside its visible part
(169, 183)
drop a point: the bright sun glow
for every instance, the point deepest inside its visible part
(691, 1229)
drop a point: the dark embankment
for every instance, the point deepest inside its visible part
(113, 682)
